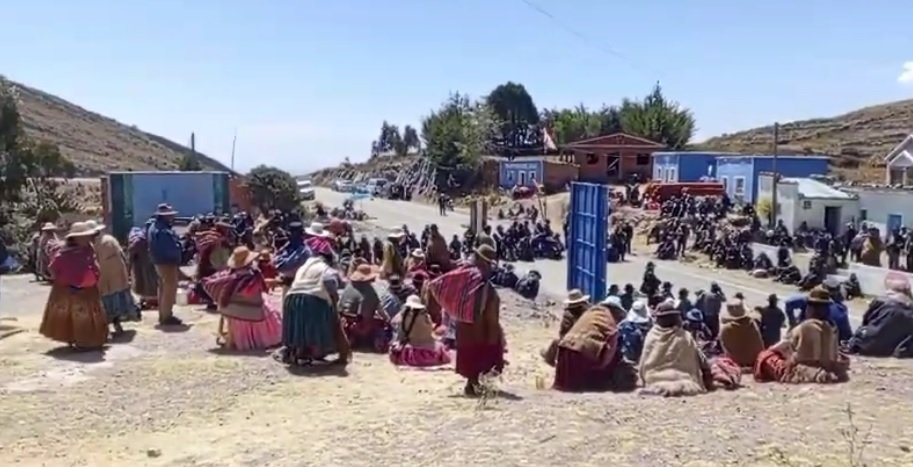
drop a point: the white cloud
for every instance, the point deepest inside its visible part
(906, 74)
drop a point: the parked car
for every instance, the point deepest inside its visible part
(306, 189)
(343, 186)
(376, 186)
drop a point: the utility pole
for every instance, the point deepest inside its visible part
(775, 178)
(193, 143)
(233, 142)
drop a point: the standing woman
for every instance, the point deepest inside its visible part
(114, 280)
(145, 279)
(311, 328)
(74, 314)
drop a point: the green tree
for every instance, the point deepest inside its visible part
(272, 188)
(190, 163)
(516, 110)
(410, 138)
(459, 132)
(658, 119)
(389, 138)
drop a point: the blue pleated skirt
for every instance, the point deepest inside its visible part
(309, 323)
(120, 306)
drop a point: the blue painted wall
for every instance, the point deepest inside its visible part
(688, 166)
(509, 172)
(750, 167)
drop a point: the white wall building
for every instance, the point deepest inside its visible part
(884, 207)
(899, 164)
(815, 203)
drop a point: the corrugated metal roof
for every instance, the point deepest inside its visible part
(810, 188)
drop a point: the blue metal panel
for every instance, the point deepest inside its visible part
(588, 234)
(895, 222)
(190, 193)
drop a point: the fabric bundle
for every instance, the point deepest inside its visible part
(459, 292)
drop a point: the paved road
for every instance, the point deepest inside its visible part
(554, 273)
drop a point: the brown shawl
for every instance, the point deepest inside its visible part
(594, 335)
(812, 355)
(741, 340)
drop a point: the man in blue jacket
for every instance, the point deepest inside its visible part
(838, 313)
(166, 252)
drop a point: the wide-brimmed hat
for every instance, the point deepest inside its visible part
(576, 297)
(735, 309)
(665, 308)
(95, 225)
(80, 229)
(317, 229)
(819, 295)
(48, 227)
(638, 313)
(241, 257)
(612, 301)
(363, 273)
(395, 282)
(417, 253)
(487, 253)
(165, 209)
(414, 302)
(396, 232)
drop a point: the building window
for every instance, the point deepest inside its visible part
(725, 182)
(532, 177)
(510, 177)
(671, 176)
(522, 178)
(643, 159)
(739, 186)
(863, 215)
(658, 174)
(806, 204)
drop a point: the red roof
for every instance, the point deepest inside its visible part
(615, 141)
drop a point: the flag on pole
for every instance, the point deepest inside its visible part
(549, 143)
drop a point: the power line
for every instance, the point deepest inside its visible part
(587, 39)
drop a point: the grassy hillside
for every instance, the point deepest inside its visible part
(859, 138)
(95, 143)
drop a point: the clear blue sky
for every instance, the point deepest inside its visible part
(307, 83)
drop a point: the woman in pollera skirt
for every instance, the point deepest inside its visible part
(142, 272)
(249, 321)
(74, 314)
(416, 345)
(114, 281)
(311, 327)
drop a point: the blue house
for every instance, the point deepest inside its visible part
(739, 174)
(520, 172)
(683, 166)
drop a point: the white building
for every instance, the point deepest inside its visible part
(806, 200)
(884, 207)
(899, 164)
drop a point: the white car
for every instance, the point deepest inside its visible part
(306, 189)
(342, 186)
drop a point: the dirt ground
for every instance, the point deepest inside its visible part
(173, 399)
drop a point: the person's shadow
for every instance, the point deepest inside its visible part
(69, 354)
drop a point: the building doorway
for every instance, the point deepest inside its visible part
(832, 219)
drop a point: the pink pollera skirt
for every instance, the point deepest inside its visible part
(257, 335)
(419, 356)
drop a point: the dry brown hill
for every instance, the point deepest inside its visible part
(95, 143)
(859, 138)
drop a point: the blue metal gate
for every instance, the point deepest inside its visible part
(587, 239)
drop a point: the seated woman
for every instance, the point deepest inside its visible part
(589, 356)
(634, 329)
(366, 323)
(672, 363)
(248, 321)
(740, 337)
(416, 345)
(887, 325)
(809, 354)
(574, 306)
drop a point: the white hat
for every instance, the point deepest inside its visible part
(316, 229)
(396, 232)
(414, 302)
(612, 301)
(417, 253)
(638, 312)
(95, 225)
(576, 296)
(80, 229)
